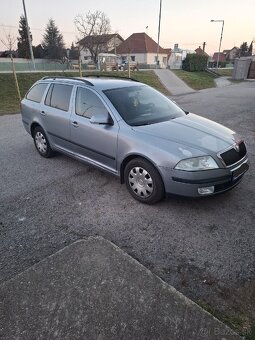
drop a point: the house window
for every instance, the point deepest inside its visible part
(155, 59)
(132, 57)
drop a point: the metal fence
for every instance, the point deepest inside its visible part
(45, 65)
(24, 65)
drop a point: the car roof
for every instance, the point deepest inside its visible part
(100, 83)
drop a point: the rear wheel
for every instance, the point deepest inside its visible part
(143, 181)
(41, 142)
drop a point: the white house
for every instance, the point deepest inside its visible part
(139, 47)
(99, 43)
(177, 56)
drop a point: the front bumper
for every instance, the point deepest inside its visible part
(187, 183)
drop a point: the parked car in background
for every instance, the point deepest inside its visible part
(107, 62)
(133, 65)
(136, 133)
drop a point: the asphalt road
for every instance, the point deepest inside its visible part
(205, 247)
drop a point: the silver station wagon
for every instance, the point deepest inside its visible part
(134, 132)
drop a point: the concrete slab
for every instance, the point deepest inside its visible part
(222, 82)
(172, 83)
(93, 290)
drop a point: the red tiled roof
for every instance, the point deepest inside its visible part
(199, 51)
(139, 43)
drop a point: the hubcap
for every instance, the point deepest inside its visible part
(140, 182)
(40, 142)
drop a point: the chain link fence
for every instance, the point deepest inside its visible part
(24, 65)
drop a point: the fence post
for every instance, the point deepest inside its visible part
(15, 77)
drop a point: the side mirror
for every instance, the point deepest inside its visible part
(101, 119)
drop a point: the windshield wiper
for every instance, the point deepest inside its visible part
(143, 123)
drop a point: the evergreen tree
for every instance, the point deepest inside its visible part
(74, 52)
(53, 42)
(244, 49)
(23, 43)
(38, 51)
(250, 49)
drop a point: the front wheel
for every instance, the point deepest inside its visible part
(41, 142)
(143, 181)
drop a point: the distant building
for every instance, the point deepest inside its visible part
(142, 49)
(177, 56)
(200, 51)
(7, 54)
(106, 43)
(227, 56)
(232, 54)
(222, 57)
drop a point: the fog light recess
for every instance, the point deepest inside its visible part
(206, 190)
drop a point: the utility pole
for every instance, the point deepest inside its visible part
(222, 27)
(204, 43)
(159, 21)
(28, 35)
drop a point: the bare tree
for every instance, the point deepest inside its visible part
(9, 42)
(93, 28)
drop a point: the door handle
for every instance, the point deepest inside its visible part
(43, 113)
(75, 124)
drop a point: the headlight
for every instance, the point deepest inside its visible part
(197, 163)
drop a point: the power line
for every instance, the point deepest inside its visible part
(34, 29)
(180, 43)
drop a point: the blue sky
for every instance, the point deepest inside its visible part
(185, 22)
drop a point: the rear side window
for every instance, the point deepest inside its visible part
(36, 92)
(59, 96)
(87, 103)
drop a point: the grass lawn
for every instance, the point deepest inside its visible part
(9, 102)
(225, 72)
(196, 80)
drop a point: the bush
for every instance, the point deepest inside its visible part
(194, 62)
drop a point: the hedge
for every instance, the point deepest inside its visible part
(194, 62)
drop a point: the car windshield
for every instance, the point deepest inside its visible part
(142, 105)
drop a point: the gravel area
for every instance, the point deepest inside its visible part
(204, 247)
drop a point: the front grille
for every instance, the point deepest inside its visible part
(232, 156)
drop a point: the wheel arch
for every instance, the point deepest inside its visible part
(33, 126)
(133, 156)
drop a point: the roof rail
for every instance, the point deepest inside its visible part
(109, 76)
(70, 78)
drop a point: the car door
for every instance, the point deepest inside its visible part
(56, 114)
(95, 142)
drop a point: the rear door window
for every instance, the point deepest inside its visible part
(59, 96)
(36, 93)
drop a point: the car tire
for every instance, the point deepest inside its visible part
(143, 181)
(41, 143)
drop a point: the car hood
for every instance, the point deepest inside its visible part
(192, 130)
